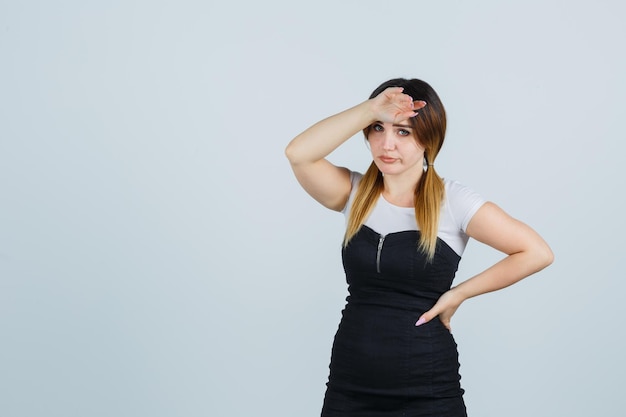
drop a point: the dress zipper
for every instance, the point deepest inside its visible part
(380, 248)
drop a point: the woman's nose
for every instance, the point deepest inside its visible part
(388, 142)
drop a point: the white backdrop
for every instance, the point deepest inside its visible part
(158, 258)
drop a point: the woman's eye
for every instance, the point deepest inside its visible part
(403, 132)
(377, 128)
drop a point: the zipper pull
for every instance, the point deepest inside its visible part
(380, 248)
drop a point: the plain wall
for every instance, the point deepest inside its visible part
(157, 256)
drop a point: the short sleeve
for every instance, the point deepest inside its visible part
(355, 178)
(463, 203)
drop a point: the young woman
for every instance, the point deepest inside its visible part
(393, 354)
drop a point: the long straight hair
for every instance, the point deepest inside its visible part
(430, 129)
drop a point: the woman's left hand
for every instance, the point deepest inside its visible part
(445, 308)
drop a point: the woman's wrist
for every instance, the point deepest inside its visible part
(458, 294)
(368, 112)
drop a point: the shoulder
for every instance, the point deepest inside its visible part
(355, 178)
(457, 192)
(455, 187)
(462, 202)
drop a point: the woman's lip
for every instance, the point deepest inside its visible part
(387, 159)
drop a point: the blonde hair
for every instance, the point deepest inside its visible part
(430, 128)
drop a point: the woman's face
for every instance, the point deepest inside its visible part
(395, 148)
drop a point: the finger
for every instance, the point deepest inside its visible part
(393, 90)
(403, 116)
(421, 321)
(426, 317)
(406, 103)
(447, 325)
(400, 117)
(419, 104)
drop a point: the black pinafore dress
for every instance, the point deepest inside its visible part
(382, 365)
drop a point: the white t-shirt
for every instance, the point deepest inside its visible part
(460, 204)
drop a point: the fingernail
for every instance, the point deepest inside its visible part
(421, 321)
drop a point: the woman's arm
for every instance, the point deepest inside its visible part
(325, 182)
(527, 253)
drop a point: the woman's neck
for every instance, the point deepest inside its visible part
(400, 191)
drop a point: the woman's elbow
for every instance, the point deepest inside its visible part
(547, 259)
(291, 153)
(543, 256)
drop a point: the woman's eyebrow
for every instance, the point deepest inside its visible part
(378, 122)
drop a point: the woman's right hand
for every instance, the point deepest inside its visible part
(393, 106)
(329, 184)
